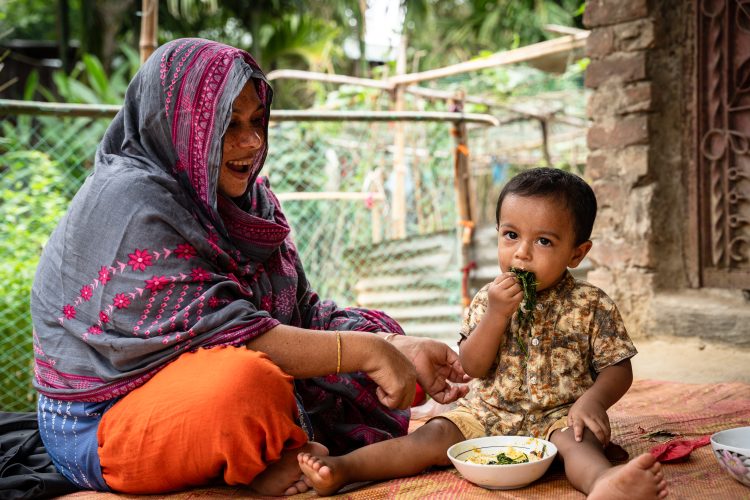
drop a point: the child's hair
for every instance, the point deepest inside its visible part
(573, 191)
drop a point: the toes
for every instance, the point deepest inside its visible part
(645, 461)
(301, 486)
(656, 468)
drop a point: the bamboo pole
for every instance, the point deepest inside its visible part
(149, 28)
(329, 195)
(533, 51)
(18, 107)
(566, 43)
(464, 193)
(293, 74)
(398, 204)
(296, 74)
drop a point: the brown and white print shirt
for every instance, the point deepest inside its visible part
(576, 332)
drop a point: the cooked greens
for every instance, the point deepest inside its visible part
(528, 284)
(503, 459)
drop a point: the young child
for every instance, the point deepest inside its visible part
(554, 377)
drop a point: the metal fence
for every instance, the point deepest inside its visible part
(336, 182)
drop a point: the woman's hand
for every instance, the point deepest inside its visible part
(394, 373)
(436, 365)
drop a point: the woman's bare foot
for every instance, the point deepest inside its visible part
(641, 478)
(284, 476)
(322, 473)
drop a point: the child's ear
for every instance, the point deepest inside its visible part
(579, 253)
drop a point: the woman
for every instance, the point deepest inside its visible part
(177, 341)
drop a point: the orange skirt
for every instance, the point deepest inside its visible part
(215, 414)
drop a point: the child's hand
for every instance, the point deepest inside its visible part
(588, 412)
(505, 295)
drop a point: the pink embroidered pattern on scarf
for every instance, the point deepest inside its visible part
(166, 67)
(139, 261)
(246, 227)
(198, 133)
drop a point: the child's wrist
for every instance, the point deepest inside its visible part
(498, 314)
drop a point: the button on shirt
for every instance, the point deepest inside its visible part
(576, 332)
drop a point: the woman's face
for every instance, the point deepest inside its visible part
(243, 142)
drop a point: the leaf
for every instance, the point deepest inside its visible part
(96, 74)
(32, 82)
(654, 435)
(79, 92)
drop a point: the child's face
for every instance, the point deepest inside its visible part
(536, 234)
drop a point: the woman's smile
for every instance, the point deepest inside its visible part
(244, 140)
(241, 168)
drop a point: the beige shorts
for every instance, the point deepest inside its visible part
(472, 428)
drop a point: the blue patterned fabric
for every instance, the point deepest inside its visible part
(68, 430)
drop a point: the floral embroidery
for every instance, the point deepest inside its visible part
(104, 275)
(156, 283)
(69, 311)
(265, 302)
(86, 293)
(140, 259)
(213, 302)
(103, 317)
(95, 330)
(199, 274)
(121, 301)
(185, 251)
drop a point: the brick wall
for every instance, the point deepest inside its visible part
(640, 53)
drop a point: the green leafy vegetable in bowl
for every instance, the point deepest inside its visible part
(503, 459)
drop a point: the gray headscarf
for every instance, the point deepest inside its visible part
(150, 262)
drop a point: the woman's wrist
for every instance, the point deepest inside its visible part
(357, 349)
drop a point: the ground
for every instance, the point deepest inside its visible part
(685, 359)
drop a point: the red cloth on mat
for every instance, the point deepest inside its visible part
(678, 449)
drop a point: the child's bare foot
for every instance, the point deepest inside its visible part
(284, 476)
(641, 478)
(326, 479)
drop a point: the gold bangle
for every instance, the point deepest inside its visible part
(338, 352)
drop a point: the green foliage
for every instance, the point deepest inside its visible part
(29, 19)
(89, 82)
(470, 26)
(32, 201)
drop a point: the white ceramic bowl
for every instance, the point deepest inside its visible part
(732, 450)
(501, 477)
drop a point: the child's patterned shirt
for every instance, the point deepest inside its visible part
(576, 332)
